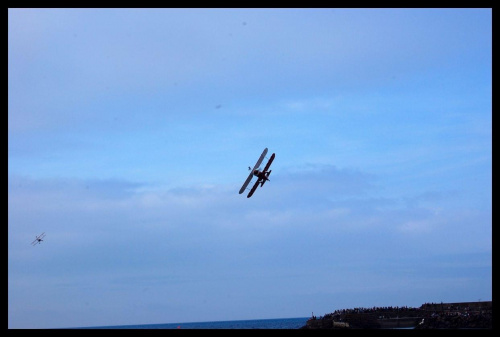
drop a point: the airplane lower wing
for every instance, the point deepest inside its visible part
(269, 162)
(254, 188)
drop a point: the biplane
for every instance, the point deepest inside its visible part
(262, 176)
(38, 238)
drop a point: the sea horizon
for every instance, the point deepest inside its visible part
(267, 323)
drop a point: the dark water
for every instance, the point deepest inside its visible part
(278, 323)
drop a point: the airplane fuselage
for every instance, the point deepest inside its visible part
(260, 174)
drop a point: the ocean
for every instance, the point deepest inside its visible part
(277, 323)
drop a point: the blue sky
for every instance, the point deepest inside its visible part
(130, 132)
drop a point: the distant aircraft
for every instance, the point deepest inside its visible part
(262, 176)
(38, 239)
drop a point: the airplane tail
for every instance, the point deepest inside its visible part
(266, 179)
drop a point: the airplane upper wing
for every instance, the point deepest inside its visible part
(38, 238)
(245, 184)
(242, 189)
(261, 158)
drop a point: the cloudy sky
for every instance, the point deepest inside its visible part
(130, 132)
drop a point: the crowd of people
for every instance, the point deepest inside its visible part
(456, 316)
(473, 315)
(457, 320)
(382, 312)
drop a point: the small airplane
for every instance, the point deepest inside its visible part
(38, 239)
(262, 176)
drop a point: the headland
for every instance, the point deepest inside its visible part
(459, 315)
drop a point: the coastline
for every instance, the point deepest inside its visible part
(457, 315)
